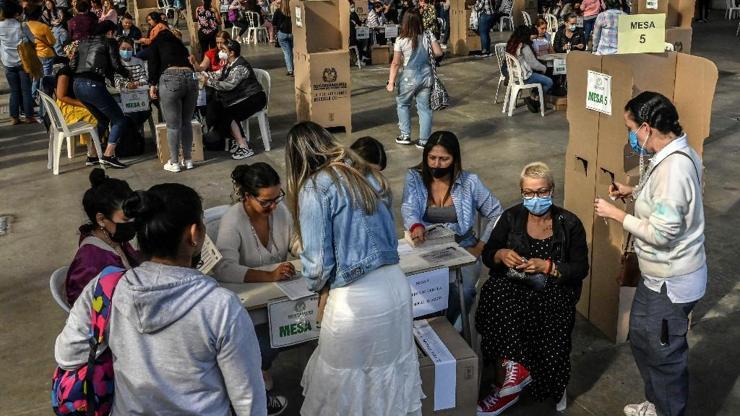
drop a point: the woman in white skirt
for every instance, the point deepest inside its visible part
(366, 361)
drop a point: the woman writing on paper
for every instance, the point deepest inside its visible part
(256, 232)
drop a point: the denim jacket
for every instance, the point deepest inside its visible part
(469, 196)
(342, 243)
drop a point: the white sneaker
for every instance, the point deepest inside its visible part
(242, 153)
(563, 403)
(187, 164)
(172, 167)
(641, 409)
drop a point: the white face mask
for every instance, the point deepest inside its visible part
(223, 55)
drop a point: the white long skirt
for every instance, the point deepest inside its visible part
(366, 362)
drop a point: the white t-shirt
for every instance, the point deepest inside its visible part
(404, 46)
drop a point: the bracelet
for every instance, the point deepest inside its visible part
(413, 227)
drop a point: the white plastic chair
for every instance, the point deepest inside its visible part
(527, 18)
(234, 31)
(504, 19)
(56, 284)
(552, 23)
(166, 8)
(516, 85)
(263, 77)
(59, 131)
(212, 219)
(732, 8)
(500, 50)
(357, 56)
(255, 31)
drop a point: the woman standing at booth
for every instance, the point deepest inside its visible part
(366, 362)
(668, 227)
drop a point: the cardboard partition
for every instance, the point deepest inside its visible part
(584, 124)
(680, 38)
(163, 147)
(140, 16)
(641, 7)
(696, 81)
(466, 380)
(320, 26)
(381, 55)
(457, 42)
(679, 13)
(473, 43)
(323, 88)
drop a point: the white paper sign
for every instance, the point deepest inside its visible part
(599, 92)
(430, 291)
(133, 101)
(579, 21)
(652, 4)
(293, 321)
(224, 8)
(298, 16)
(558, 67)
(391, 31)
(295, 288)
(445, 378)
(363, 33)
(201, 98)
(209, 256)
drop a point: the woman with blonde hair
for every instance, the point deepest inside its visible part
(366, 361)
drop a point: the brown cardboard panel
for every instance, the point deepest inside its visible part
(325, 25)
(457, 43)
(326, 98)
(381, 55)
(696, 80)
(473, 43)
(584, 124)
(145, 4)
(680, 38)
(529, 6)
(163, 148)
(612, 135)
(457, 4)
(680, 13)
(466, 382)
(640, 7)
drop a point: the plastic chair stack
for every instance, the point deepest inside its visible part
(255, 31)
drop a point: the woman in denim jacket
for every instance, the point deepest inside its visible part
(439, 191)
(366, 361)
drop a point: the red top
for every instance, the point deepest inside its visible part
(212, 55)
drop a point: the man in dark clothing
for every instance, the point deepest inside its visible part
(82, 26)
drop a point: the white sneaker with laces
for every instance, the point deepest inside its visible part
(188, 164)
(242, 153)
(640, 409)
(172, 167)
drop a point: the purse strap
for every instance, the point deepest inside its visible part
(430, 52)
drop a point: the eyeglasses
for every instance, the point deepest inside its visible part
(265, 203)
(540, 193)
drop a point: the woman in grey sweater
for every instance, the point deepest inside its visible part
(180, 343)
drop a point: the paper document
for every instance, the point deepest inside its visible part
(404, 247)
(295, 288)
(445, 377)
(430, 291)
(210, 256)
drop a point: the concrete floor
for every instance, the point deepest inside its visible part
(45, 212)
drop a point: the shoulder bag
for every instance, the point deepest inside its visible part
(27, 52)
(438, 99)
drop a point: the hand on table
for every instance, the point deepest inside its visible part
(284, 271)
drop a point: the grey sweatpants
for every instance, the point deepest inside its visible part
(658, 338)
(178, 94)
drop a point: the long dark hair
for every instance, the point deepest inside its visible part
(656, 110)
(449, 141)
(520, 36)
(249, 179)
(371, 150)
(156, 16)
(106, 196)
(411, 27)
(162, 214)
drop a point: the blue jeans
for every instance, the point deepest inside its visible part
(544, 80)
(415, 84)
(485, 23)
(61, 36)
(588, 27)
(20, 91)
(178, 94)
(286, 44)
(658, 339)
(103, 107)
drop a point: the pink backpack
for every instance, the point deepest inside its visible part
(89, 389)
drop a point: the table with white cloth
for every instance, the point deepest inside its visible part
(256, 296)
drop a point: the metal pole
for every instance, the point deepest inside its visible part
(463, 308)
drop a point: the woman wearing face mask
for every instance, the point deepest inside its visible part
(537, 256)
(104, 241)
(569, 37)
(439, 191)
(212, 62)
(668, 230)
(180, 344)
(238, 96)
(137, 78)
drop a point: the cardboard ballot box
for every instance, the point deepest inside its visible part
(598, 154)
(440, 376)
(323, 88)
(381, 55)
(163, 147)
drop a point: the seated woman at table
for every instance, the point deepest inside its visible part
(533, 71)
(104, 240)
(256, 232)
(439, 191)
(372, 151)
(537, 256)
(541, 38)
(137, 78)
(570, 37)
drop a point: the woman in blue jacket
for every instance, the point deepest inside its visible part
(439, 191)
(366, 361)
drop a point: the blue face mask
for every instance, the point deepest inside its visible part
(538, 205)
(635, 142)
(126, 54)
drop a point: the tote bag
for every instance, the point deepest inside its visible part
(27, 52)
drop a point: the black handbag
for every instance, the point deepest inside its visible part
(536, 281)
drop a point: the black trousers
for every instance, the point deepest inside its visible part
(220, 117)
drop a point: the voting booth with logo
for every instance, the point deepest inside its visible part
(598, 89)
(323, 85)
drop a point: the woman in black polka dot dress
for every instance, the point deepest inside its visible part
(537, 256)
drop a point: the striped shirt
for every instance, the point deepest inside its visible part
(137, 71)
(484, 7)
(606, 28)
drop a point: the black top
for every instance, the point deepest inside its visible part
(166, 51)
(66, 70)
(578, 38)
(282, 22)
(567, 247)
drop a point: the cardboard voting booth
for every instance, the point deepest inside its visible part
(322, 65)
(679, 15)
(143, 8)
(448, 369)
(598, 154)
(163, 147)
(381, 55)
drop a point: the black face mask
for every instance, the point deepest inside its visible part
(440, 172)
(125, 231)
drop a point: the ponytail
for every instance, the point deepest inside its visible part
(656, 110)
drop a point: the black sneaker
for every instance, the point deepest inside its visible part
(92, 161)
(275, 404)
(113, 162)
(532, 105)
(403, 139)
(242, 153)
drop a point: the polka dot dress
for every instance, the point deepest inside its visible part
(530, 327)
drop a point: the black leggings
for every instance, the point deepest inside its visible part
(207, 41)
(221, 117)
